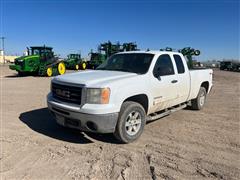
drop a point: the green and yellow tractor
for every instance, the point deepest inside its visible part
(41, 61)
(96, 58)
(74, 61)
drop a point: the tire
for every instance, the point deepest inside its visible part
(199, 102)
(21, 73)
(49, 71)
(84, 66)
(131, 122)
(61, 68)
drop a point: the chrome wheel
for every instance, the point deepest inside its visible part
(133, 123)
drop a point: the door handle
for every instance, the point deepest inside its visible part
(174, 81)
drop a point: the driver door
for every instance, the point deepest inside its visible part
(164, 83)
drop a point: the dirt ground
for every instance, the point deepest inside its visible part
(185, 145)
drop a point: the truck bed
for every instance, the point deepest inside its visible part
(197, 77)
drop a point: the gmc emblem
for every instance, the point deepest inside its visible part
(63, 93)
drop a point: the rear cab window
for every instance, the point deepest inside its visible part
(179, 63)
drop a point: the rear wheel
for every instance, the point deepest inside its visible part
(199, 102)
(77, 67)
(49, 71)
(84, 65)
(131, 121)
(61, 68)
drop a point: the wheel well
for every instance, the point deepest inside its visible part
(205, 85)
(141, 99)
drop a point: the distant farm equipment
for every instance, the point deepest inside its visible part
(74, 61)
(230, 66)
(41, 61)
(105, 50)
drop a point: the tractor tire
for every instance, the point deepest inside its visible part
(21, 73)
(49, 71)
(77, 67)
(61, 68)
(84, 65)
(131, 122)
(198, 103)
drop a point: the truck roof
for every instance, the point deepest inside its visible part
(156, 52)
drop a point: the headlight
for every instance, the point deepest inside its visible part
(98, 95)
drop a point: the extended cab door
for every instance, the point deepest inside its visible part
(164, 83)
(183, 78)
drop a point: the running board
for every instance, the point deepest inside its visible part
(165, 112)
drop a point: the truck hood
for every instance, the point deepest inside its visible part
(93, 77)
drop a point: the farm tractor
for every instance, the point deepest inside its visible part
(41, 61)
(105, 50)
(188, 52)
(74, 61)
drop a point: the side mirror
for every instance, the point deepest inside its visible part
(157, 73)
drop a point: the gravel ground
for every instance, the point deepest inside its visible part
(185, 145)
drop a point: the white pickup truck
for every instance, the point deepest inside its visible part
(127, 90)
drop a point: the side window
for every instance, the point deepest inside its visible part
(163, 66)
(179, 64)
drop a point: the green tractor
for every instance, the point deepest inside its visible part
(40, 60)
(105, 50)
(74, 61)
(96, 58)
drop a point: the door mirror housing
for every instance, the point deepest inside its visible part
(157, 73)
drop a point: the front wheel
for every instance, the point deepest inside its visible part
(199, 102)
(131, 122)
(21, 73)
(77, 67)
(49, 71)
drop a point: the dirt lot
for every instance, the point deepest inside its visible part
(185, 145)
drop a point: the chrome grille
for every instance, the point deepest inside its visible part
(66, 93)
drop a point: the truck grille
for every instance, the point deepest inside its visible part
(65, 93)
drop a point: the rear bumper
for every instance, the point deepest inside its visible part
(101, 123)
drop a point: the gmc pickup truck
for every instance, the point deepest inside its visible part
(126, 91)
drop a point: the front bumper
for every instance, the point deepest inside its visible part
(16, 67)
(12, 67)
(101, 123)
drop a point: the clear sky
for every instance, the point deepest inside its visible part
(70, 26)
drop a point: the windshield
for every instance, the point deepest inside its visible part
(35, 52)
(72, 56)
(128, 62)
